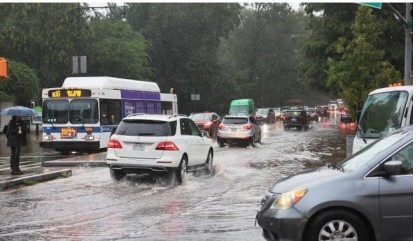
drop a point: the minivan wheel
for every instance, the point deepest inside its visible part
(209, 163)
(116, 175)
(182, 170)
(337, 225)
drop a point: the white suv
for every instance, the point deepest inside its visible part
(158, 144)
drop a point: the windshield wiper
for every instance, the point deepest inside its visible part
(335, 167)
(359, 129)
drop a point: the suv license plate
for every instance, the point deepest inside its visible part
(138, 147)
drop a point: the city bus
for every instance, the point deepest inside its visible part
(80, 115)
(384, 110)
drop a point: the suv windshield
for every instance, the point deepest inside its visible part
(146, 128)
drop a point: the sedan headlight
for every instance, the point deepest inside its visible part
(288, 199)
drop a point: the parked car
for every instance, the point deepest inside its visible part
(238, 129)
(312, 114)
(265, 115)
(368, 196)
(208, 121)
(158, 144)
(296, 118)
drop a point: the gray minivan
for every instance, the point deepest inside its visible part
(368, 196)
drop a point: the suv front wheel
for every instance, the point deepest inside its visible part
(209, 163)
(182, 170)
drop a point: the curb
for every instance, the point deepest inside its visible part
(31, 180)
(73, 163)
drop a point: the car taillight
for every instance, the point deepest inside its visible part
(166, 146)
(247, 127)
(114, 144)
(221, 127)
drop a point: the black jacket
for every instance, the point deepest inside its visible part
(14, 139)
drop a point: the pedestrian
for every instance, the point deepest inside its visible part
(16, 138)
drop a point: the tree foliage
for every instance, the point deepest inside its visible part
(22, 86)
(184, 40)
(114, 49)
(41, 35)
(362, 66)
(329, 22)
(264, 51)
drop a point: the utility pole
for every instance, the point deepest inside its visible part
(408, 53)
(408, 69)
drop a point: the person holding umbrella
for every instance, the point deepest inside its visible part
(16, 138)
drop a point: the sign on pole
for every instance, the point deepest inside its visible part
(373, 5)
(79, 64)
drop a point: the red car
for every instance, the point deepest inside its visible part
(208, 121)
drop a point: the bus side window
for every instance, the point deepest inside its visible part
(110, 111)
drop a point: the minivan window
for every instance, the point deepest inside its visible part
(146, 128)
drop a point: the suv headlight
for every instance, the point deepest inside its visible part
(288, 199)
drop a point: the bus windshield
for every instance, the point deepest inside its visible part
(80, 111)
(381, 114)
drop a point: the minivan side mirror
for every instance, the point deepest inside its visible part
(393, 167)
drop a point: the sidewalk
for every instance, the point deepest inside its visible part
(35, 172)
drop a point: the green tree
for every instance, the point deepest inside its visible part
(113, 48)
(327, 22)
(362, 66)
(22, 86)
(184, 38)
(41, 35)
(259, 58)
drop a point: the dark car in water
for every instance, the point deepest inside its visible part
(297, 118)
(207, 121)
(265, 115)
(368, 196)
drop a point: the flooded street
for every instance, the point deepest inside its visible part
(222, 206)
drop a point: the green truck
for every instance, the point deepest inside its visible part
(242, 106)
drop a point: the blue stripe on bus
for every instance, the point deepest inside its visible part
(79, 129)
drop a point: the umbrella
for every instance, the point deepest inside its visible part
(18, 111)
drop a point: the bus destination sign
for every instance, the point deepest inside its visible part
(74, 93)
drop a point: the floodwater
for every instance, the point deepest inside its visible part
(221, 206)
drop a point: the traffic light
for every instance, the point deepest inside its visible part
(4, 70)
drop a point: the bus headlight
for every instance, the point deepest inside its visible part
(48, 137)
(89, 138)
